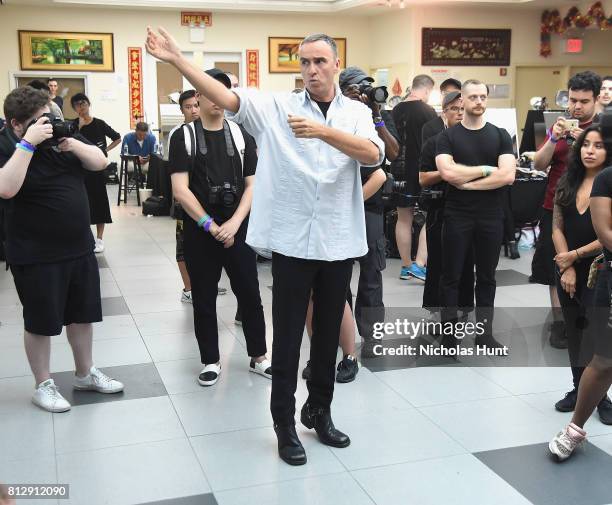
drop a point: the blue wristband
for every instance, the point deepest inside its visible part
(25, 147)
(24, 142)
(203, 220)
(550, 136)
(380, 124)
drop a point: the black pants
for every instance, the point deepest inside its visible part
(574, 314)
(205, 257)
(431, 292)
(482, 233)
(293, 280)
(369, 306)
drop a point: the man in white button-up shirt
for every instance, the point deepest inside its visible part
(307, 211)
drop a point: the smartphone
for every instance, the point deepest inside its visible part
(571, 124)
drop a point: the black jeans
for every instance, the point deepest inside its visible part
(431, 292)
(574, 314)
(205, 257)
(482, 233)
(369, 306)
(293, 280)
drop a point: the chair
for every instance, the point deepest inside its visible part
(125, 184)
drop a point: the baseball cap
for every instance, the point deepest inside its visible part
(450, 98)
(220, 75)
(353, 75)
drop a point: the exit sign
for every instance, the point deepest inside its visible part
(572, 46)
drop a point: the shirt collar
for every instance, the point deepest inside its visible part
(337, 97)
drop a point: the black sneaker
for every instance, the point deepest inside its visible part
(347, 369)
(604, 409)
(558, 335)
(307, 372)
(567, 404)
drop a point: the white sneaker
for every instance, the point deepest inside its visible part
(186, 297)
(566, 441)
(209, 374)
(97, 381)
(264, 368)
(99, 246)
(48, 398)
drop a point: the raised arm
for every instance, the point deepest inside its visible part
(165, 48)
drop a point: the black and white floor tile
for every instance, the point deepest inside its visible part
(426, 435)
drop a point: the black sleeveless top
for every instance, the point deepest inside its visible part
(578, 228)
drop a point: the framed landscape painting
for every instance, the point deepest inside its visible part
(283, 54)
(75, 51)
(465, 47)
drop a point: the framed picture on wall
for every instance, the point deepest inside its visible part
(72, 51)
(465, 47)
(283, 54)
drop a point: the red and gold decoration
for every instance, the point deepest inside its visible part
(252, 58)
(196, 19)
(552, 22)
(135, 73)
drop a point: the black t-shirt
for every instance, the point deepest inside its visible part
(214, 169)
(59, 102)
(432, 128)
(324, 106)
(474, 148)
(602, 186)
(409, 118)
(428, 161)
(374, 203)
(47, 221)
(97, 131)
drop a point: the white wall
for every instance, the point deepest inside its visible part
(229, 33)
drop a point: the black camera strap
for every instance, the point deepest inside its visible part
(203, 148)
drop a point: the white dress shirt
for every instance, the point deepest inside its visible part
(307, 198)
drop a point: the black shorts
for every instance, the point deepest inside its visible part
(58, 294)
(180, 238)
(543, 262)
(410, 176)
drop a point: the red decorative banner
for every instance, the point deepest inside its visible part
(196, 18)
(135, 73)
(252, 58)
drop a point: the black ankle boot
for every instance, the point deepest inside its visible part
(290, 448)
(320, 419)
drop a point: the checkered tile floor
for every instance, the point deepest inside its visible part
(426, 435)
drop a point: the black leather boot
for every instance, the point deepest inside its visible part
(320, 419)
(290, 448)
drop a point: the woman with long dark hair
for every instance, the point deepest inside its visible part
(96, 131)
(576, 244)
(597, 377)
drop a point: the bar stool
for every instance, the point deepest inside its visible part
(124, 184)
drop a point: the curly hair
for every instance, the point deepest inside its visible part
(21, 103)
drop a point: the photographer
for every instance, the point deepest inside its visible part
(369, 306)
(308, 211)
(583, 92)
(476, 159)
(212, 162)
(429, 178)
(48, 240)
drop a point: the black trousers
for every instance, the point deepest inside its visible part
(293, 281)
(574, 314)
(369, 306)
(482, 233)
(205, 257)
(431, 292)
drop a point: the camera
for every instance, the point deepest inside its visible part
(394, 193)
(225, 195)
(61, 129)
(376, 94)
